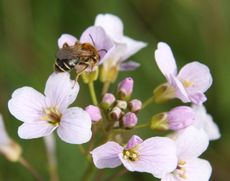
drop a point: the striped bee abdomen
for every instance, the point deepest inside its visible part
(64, 65)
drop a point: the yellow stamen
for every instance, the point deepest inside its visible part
(131, 154)
(187, 83)
(52, 115)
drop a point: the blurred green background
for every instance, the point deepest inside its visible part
(195, 29)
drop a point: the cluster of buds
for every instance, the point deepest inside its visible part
(120, 108)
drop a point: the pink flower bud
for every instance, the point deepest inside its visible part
(129, 120)
(135, 105)
(125, 88)
(115, 113)
(94, 113)
(107, 100)
(180, 117)
(133, 141)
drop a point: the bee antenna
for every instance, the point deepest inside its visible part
(104, 50)
(92, 39)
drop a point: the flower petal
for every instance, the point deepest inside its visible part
(157, 155)
(197, 75)
(203, 120)
(96, 36)
(106, 155)
(191, 143)
(66, 38)
(165, 60)
(180, 91)
(129, 66)
(133, 46)
(195, 169)
(75, 126)
(112, 25)
(60, 90)
(198, 169)
(35, 130)
(198, 98)
(26, 104)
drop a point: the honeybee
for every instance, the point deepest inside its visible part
(80, 56)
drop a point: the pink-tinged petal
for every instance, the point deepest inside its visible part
(180, 91)
(197, 77)
(106, 155)
(205, 121)
(133, 46)
(157, 156)
(75, 126)
(96, 36)
(165, 60)
(26, 104)
(191, 143)
(60, 90)
(4, 138)
(35, 130)
(198, 98)
(66, 38)
(112, 25)
(129, 66)
(133, 141)
(180, 117)
(113, 56)
(94, 113)
(197, 169)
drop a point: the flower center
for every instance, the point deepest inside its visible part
(131, 154)
(180, 170)
(187, 83)
(52, 115)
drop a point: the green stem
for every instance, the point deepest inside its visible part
(141, 126)
(147, 102)
(30, 168)
(88, 172)
(105, 88)
(92, 93)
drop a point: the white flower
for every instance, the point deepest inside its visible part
(10, 149)
(42, 114)
(125, 46)
(192, 81)
(191, 143)
(203, 120)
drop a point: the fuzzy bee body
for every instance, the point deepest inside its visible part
(79, 56)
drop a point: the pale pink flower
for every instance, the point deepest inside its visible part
(204, 121)
(191, 143)
(42, 114)
(94, 113)
(94, 35)
(126, 46)
(8, 147)
(192, 81)
(156, 155)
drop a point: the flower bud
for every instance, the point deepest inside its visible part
(90, 76)
(159, 122)
(163, 93)
(135, 105)
(107, 100)
(133, 142)
(180, 117)
(121, 104)
(125, 88)
(94, 113)
(9, 148)
(129, 120)
(115, 113)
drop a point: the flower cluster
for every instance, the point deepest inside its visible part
(103, 50)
